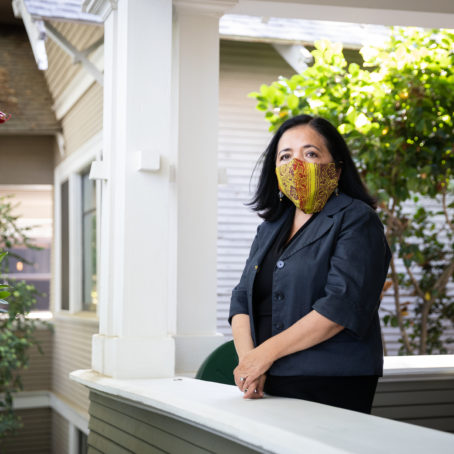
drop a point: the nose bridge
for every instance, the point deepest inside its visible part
(299, 154)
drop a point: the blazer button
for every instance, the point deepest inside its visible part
(280, 264)
(278, 325)
(279, 296)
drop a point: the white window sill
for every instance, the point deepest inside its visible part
(272, 424)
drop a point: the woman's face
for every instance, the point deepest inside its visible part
(302, 142)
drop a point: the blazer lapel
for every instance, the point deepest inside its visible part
(320, 225)
(272, 229)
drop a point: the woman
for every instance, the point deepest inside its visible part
(304, 315)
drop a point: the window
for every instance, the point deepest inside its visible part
(77, 233)
(89, 250)
(32, 208)
(82, 442)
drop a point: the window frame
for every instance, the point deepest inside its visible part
(71, 169)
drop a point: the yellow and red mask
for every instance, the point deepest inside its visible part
(306, 184)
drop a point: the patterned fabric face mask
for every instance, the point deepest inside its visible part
(306, 184)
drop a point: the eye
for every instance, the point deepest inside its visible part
(284, 157)
(311, 154)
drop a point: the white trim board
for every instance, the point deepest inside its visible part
(25, 400)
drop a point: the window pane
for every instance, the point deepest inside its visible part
(64, 246)
(89, 269)
(37, 274)
(82, 443)
(88, 193)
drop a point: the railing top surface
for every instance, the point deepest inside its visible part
(276, 425)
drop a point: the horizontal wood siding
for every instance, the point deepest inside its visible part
(35, 435)
(84, 120)
(61, 68)
(72, 351)
(428, 403)
(119, 428)
(243, 135)
(38, 376)
(60, 434)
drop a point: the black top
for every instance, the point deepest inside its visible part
(263, 283)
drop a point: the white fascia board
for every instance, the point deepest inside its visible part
(81, 82)
(36, 33)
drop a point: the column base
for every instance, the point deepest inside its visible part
(191, 351)
(121, 357)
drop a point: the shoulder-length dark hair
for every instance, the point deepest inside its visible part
(266, 199)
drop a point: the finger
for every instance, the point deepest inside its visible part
(261, 385)
(236, 377)
(239, 381)
(251, 392)
(256, 394)
(248, 382)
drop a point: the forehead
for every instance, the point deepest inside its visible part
(301, 135)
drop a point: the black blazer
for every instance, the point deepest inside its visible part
(337, 266)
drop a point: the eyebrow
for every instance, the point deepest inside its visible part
(304, 147)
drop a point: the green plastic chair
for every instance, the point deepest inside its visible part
(219, 365)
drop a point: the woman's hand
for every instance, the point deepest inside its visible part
(251, 368)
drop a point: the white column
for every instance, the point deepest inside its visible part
(196, 83)
(134, 339)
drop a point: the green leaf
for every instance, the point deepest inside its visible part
(292, 101)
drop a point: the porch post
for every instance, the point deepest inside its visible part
(196, 82)
(134, 339)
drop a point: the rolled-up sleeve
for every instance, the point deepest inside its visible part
(238, 301)
(358, 269)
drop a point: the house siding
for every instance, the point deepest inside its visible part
(117, 427)
(243, 136)
(61, 68)
(38, 375)
(60, 434)
(72, 351)
(84, 120)
(35, 435)
(427, 403)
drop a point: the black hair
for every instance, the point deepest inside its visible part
(266, 199)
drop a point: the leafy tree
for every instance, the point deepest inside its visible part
(16, 329)
(396, 112)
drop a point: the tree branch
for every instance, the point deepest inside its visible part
(445, 210)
